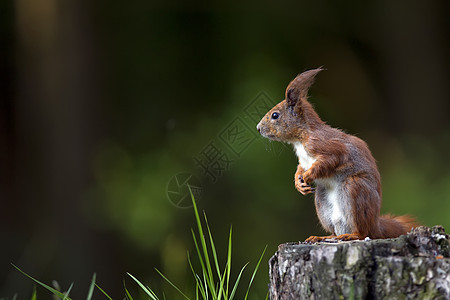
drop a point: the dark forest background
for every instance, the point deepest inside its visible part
(103, 102)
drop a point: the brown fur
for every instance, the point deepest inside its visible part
(342, 158)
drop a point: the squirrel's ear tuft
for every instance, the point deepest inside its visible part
(298, 88)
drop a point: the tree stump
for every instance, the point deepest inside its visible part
(412, 266)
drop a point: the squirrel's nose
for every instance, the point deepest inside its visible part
(258, 128)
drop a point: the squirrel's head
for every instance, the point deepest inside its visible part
(291, 118)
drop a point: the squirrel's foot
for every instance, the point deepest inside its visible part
(304, 187)
(342, 237)
(316, 239)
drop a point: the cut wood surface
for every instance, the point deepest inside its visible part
(412, 266)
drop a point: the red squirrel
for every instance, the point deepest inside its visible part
(341, 167)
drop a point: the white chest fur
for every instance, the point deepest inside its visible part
(334, 198)
(335, 204)
(304, 158)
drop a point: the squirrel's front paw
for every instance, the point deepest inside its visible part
(303, 187)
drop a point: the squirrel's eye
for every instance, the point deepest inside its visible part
(275, 115)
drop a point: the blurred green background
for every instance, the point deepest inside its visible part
(103, 102)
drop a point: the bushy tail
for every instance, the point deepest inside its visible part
(392, 226)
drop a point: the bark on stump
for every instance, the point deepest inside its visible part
(413, 266)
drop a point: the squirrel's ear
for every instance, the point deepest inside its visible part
(298, 88)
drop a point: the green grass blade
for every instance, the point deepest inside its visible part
(204, 247)
(173, 285)
(203, 266)
(34, 295)
(66, 294)
(229, 262)
(127, 293)
(203, 289)
(104, 293)
(197, 279)
(55, 292)
(196, 291)
(213, 247)
(144, 288)
(254, 272)
(237, 282)
(224, 278)
(220, 288)
(91, 288)
(216, 261)
(207, 279)
(206, 285)
(199, 253)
